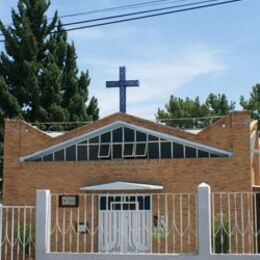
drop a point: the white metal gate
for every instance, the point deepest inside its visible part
(125, 223)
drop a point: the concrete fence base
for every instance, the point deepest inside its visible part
(43, 226)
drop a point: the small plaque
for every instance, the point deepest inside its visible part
(69, 201)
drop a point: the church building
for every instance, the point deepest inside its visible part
(129, 184)
(130, 163)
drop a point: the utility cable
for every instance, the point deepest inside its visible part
(151, 15)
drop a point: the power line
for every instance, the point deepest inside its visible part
(122, 7)
(150, 3)
(140, 12)
(152, 15)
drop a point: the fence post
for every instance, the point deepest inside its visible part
(1, 227)
(43, 211)
(204, 220)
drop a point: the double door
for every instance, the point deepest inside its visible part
(125, 223)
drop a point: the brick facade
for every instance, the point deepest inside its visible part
(232, 133)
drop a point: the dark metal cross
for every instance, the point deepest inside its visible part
(122, 84)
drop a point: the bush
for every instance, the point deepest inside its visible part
(26, 237)
(221, 235)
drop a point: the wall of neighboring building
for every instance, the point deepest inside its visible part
(256, 163)
(177, 175)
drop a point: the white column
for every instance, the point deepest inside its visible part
(43, 212)
(204, 220)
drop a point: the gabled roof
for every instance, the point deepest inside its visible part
(123, 120)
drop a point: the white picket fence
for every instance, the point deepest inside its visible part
(195, 226)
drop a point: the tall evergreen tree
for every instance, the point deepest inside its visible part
(253, 103)
(40, 68)
(178, 108)
(39, 75)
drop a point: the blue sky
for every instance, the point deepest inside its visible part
(187, 54)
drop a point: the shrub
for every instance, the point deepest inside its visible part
(26, 237)
(221, 236)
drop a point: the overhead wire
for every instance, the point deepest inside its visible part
(150, 15)
(122, 7)
(140, 12)
(153, 15)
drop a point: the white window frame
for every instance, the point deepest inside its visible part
(104, 156)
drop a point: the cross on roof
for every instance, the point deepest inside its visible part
(122, 84)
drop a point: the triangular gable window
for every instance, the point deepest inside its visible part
(126, 143)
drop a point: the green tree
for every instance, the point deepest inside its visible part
(177, 110)
(253, 103)
(40, 81)
(219, 104)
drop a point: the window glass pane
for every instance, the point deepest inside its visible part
(128, 150)
(132, 206)
(190, 152)
(71, 153)
(178, 151)
(103, 203)
(104, 151)
(48, 158)
(147, 203)
(215, 155)
(154, 150)
(117, 151)
(106, 138)
(116, 206)
(140, 137)
(59, 155)
(93, 152)
(129, 135)
(132, 198)
(152, 138)
(117, 135)
(144, 202)
(140, 202)
(36, 160)
(84, 142)
(203, 154)
(117, 198)
(82, 153)
(110, 200)
(166, 150)
(94, 140)
(140, 150)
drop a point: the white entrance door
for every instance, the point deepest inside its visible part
(125, 223)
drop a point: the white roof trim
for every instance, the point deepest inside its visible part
(118, 124)
(119, 185)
